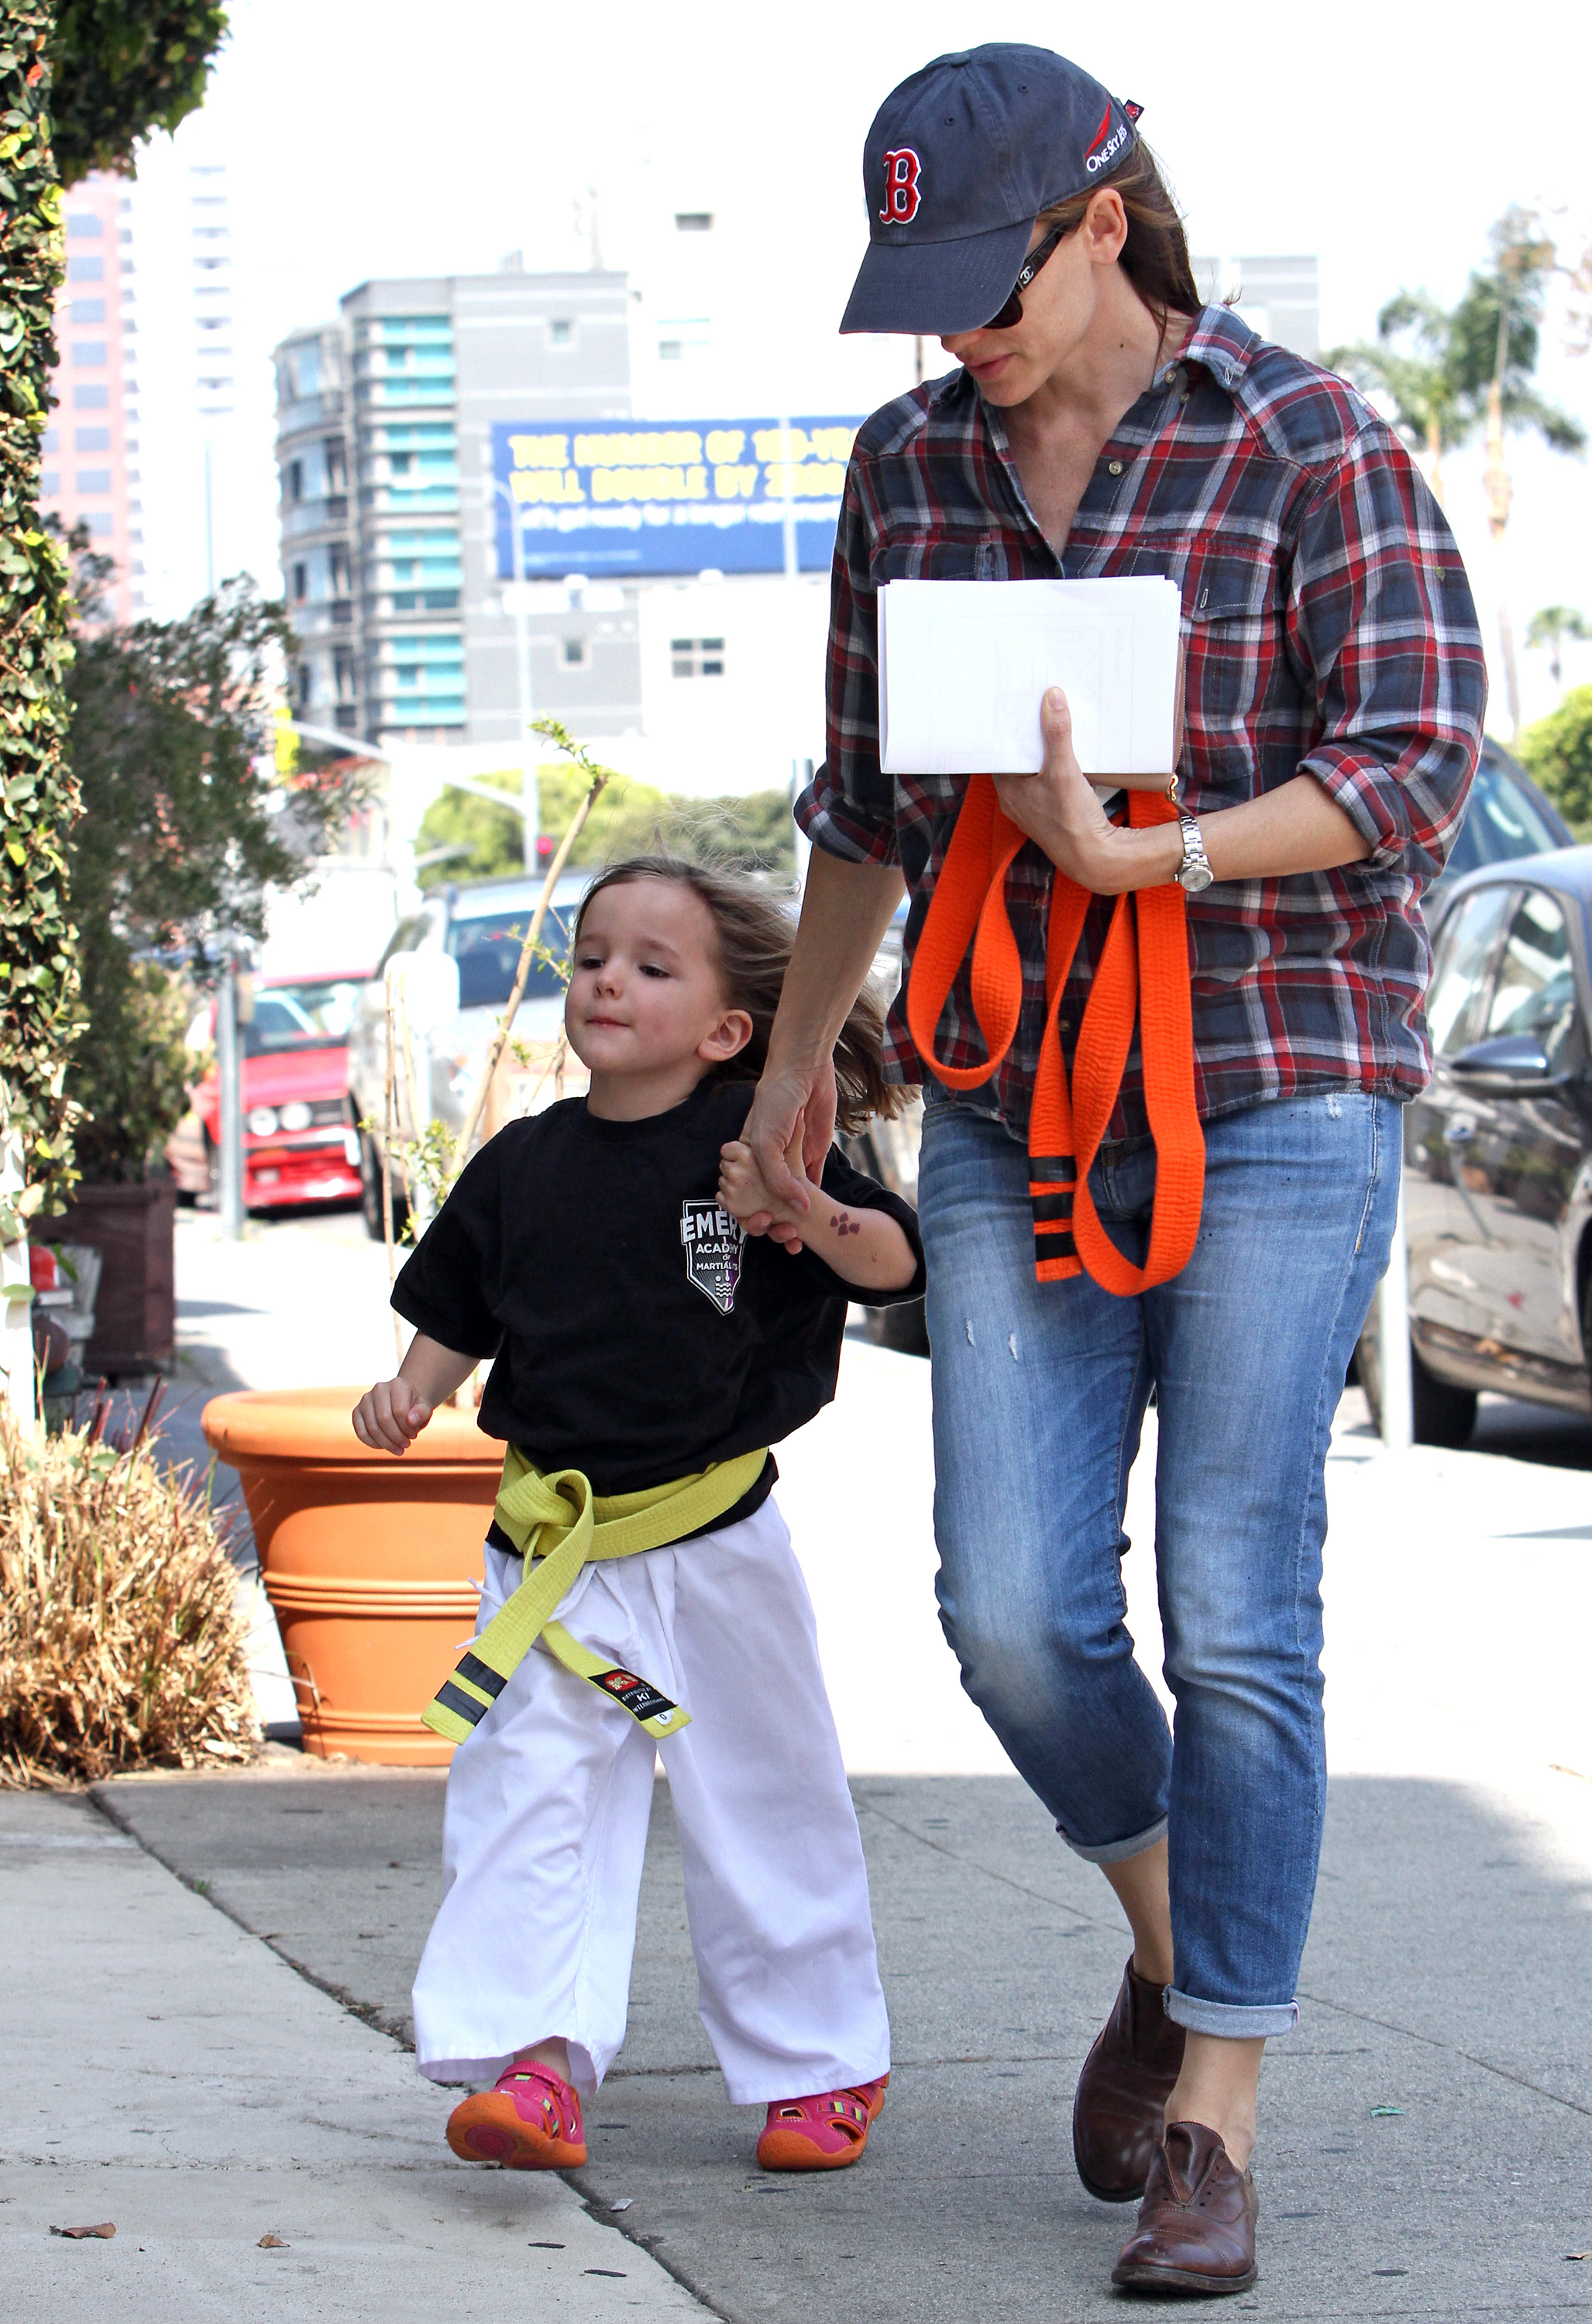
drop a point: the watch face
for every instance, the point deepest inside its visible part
(1196, 877)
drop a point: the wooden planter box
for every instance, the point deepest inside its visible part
(133, 1229)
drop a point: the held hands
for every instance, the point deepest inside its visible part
(796, 1106)
(745, 1191)
(388, 1417)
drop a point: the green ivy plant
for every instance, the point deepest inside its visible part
(40, 1012)
(81, 82)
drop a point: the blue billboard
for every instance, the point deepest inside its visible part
(633, 497)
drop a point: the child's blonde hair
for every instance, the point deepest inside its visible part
(753, 936)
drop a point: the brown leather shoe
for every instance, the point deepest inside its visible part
(1196, 2225)
(1118, 2114)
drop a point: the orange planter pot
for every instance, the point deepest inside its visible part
(367, 1560)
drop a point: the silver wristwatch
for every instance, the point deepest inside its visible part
(1194, 873)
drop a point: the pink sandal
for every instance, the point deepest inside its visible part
(529, 2121)
(824, 2132)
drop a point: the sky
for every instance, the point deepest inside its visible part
(364, 141)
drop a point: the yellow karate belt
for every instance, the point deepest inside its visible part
(557, 1521)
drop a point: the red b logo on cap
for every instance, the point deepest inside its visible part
(902, 170)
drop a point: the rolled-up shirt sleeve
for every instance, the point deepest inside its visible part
(848, 809)
(1380, 613)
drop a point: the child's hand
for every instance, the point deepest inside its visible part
(746, 1194)
(388, 1417)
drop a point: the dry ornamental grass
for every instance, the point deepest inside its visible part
(120, 1641)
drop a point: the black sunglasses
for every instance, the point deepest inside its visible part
(1011, 314)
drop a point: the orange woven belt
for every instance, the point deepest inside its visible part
(1144, 972)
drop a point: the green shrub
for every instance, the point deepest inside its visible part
(1557, 752)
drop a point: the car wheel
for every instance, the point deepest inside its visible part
(1443, 1415)
(903, 1327)
(370, 1194)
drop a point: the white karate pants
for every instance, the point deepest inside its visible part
(548, 1808)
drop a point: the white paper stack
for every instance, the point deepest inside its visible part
(963, 667)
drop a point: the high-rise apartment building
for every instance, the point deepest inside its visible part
(90, 455)
(388, 507)
(205, 443)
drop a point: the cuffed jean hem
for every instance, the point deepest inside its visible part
(1115, 1851)
(1232, 2021)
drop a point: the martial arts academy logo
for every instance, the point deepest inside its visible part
(902, 195)
(713, 1243)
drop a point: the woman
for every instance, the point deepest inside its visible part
(1101, 422)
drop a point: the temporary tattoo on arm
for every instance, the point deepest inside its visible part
(845, 1225)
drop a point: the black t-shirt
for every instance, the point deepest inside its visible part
(639, 1332)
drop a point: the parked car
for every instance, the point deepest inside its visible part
(481, 929)
(298, 1147)
(1498, 1152)
(1507, 816)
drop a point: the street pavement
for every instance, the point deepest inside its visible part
(1426, 2135)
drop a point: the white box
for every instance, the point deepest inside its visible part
(963, 667)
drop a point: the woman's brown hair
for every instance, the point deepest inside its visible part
(753, 935)
(1156, 255)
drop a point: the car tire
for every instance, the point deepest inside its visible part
(370, 1194)
(1443, 1415)
(903, 1327)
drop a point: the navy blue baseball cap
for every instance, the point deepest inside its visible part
(959, 163)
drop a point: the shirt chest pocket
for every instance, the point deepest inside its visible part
(939, 555)
(1232, 634)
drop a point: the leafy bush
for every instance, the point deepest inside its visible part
(184, 826)
(134, 1065)
(121, 1645)
(124, 69)
(1557, 752)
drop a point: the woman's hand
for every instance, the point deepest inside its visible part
(388, 1417)
(1061, 812)
(794, 1103)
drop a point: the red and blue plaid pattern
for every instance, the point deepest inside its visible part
(1329, 631)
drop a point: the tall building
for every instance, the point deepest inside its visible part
(210, 317)
(90, 453)
(1280, 298)
(388, 508)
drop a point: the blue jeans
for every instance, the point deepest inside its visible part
(1040, 1392)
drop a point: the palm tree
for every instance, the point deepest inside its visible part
(1497, 333)
(1448, 371)
(1408, 363)
(1550, 628)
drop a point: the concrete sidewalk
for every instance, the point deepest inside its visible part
(1426, 2135)
(168, 2074)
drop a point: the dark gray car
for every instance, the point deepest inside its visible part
(1498, 1151)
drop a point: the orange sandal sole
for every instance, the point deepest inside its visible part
(488, 2128)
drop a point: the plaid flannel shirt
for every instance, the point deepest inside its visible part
(1329, 630)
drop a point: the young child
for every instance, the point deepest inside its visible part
(644, 1341)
